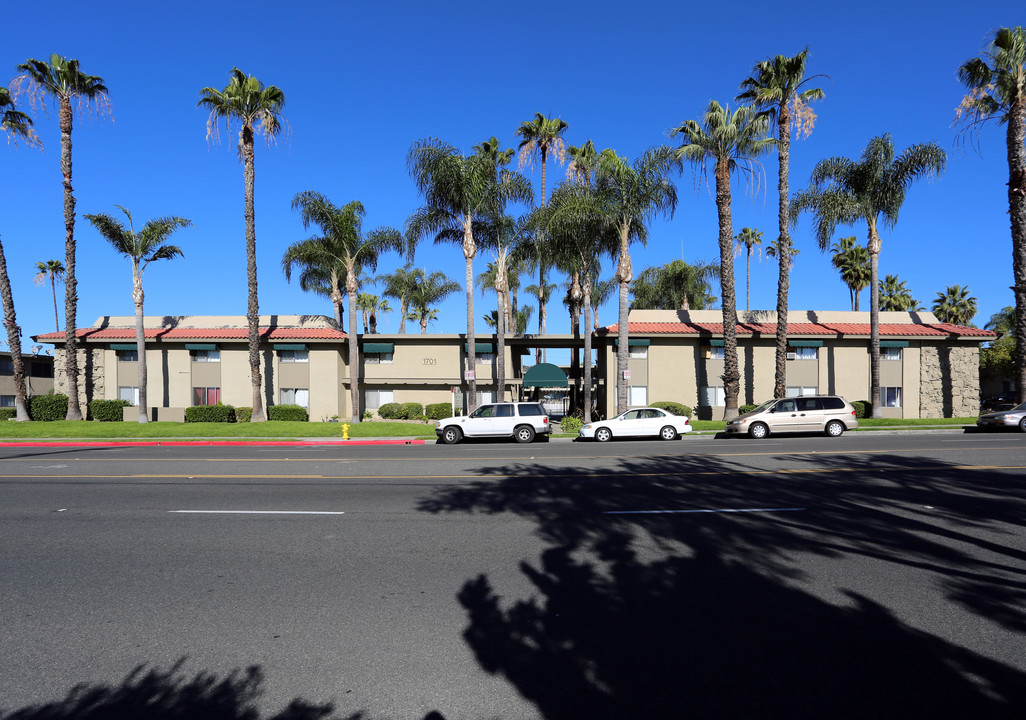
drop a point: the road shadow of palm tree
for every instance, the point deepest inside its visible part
(704, 614)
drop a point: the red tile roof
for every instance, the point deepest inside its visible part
(938, 330)
(101, 334)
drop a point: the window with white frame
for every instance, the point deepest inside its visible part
(890, 397)
(373, 399)
(294, 356)
(129, 394)
(798, 390)
(804, 353)
(486, 358)
(294, 396)
(890, 353)
(638, 352)
(377, 358)
(713, 396)
(127, 355)
(205, 356)
(637, 395)
(716, 352)
(485, 396)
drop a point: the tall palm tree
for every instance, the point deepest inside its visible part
(364, 303)
(54, 271)
(583, 161)
(870, 190)
(322, 282)
(429, 290)
(538, 139)
(71, 90)
(896, 297)
(142, 248)
(16, 125)
(398, 286)
(458, 190)
(342, 250)
(380, 306)
(778, 87)
(997, 90)
(423, 315)
(1003, 321)
(602, 291)
(955, 305)
(248, 104)
(675, 286)
(729, 140)
(748, 239)
(852, 262)
(772, 252)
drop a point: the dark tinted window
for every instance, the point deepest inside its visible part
(503, 411)
(531, 410)
(42, 370)
(833, 403)
(6, 366)
(810, 404)
(484, 411)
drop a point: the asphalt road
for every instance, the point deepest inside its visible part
(802, 577)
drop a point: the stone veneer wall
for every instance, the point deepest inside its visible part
(90, 376)
(950, 381)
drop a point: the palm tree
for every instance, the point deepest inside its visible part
(771, 252)
(955, 305)
(871, 190)
(538, 139)
(379, 306)
(896, 297)
(342, 250)
(459, 189)
(852, 261)
(14, 123)
(777, 86)
(1003, 321)
(54, 271)
(602, 291)
(423, 315)
(142, 248)
(429, 290)
(398, 286)
(997, 90)
(729, 140)
(60, 80)
(583, 161)
(246, 103)
(364, 303)
(675, 286)
(748, 239)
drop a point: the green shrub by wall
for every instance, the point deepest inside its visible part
(390, 411)
(294, 413)
(412, 411)
(210, 413)
(863, 408)
(108, 410)
(746, 409)
(243, 414)
(438, 411)
(8, 413)
(48, 408)
(571, 424)
(674, 408)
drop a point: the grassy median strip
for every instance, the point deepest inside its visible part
(277, 430)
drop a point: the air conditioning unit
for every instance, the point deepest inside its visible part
(792, 356)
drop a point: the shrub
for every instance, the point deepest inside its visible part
(674, 408)
(391, 411)
(8, 413)
(863, 408)
(294, 413)
(438, 411)
(746, 409)
(243, 414)
(412, 411)
(571, 424)
(367, 415)
(210, 413)
(48, 408)
(108, 410)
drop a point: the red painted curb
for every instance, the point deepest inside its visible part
(209, 443)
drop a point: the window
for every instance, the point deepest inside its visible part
(206, 395)
(833, 403)
(503, 411)
(293, 356)
(716, 353)
(485, 396)
(713, 395)
(205, 356)
(638, 351)
(6, 401)
(294, 396)
(129, 394)
(804, 353)
(6, 366)
(890, 396)
(127, 355)
(532, 410)
(890, 353)
(42, 370)
(805, 404)
(797, 390)
(486, 358)
(787, 406)
(373, 399)
(377, 358)
(485, 411)
(637, 395)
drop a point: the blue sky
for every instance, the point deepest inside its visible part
(363, 81)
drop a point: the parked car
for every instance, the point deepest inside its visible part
(639, 422)
(1011, 418)
(523, 421)
(831, 414)
(1001, 401)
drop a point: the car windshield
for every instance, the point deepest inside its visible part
(762, 407)
(1018, 408)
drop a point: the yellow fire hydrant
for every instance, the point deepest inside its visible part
(345, 431)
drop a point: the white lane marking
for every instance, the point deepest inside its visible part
(47, 467)
(256, 512)
(679, 512)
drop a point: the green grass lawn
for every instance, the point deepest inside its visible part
(11, 430)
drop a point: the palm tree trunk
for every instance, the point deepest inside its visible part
(1016, 135)
(748, 281)
(575, 323)
(624, 275)
(783, 249)
(540, 353)
(14, 340)
(253, 307)
(354, 354)
(140, 340)
(874, 320)
(53, 291)
(70, 282)
(469, 250)
(587, 347)
(404, 307)
(500, 350)
(731, 373)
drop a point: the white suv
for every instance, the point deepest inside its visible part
(523, 421)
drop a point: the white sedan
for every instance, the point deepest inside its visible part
(640, 422)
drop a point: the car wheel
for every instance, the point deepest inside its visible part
(603, 435)
(524, 434)
(835, 428)
(758, 431)
(451, 435)
(1022, 424)
(668, 433)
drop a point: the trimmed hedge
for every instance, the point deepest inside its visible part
(438, 411)
(108, 410)
(48, 408)
(674, 408)
(571, 424)
(210, 413)
(243, 414)
(863, 408)
(746, 409)
(412, 410)
(8, 413)
(295, 413)
(401, 411)
(390, 411)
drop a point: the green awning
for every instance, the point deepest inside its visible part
(480, 347)
(379, 347)
(894, 343)
(545, 375)
(123, 346)
(716, 343)
(289, 346)
(805, 343)
(200, 346)
(634, 342)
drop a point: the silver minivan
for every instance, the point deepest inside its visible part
(830, 414)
